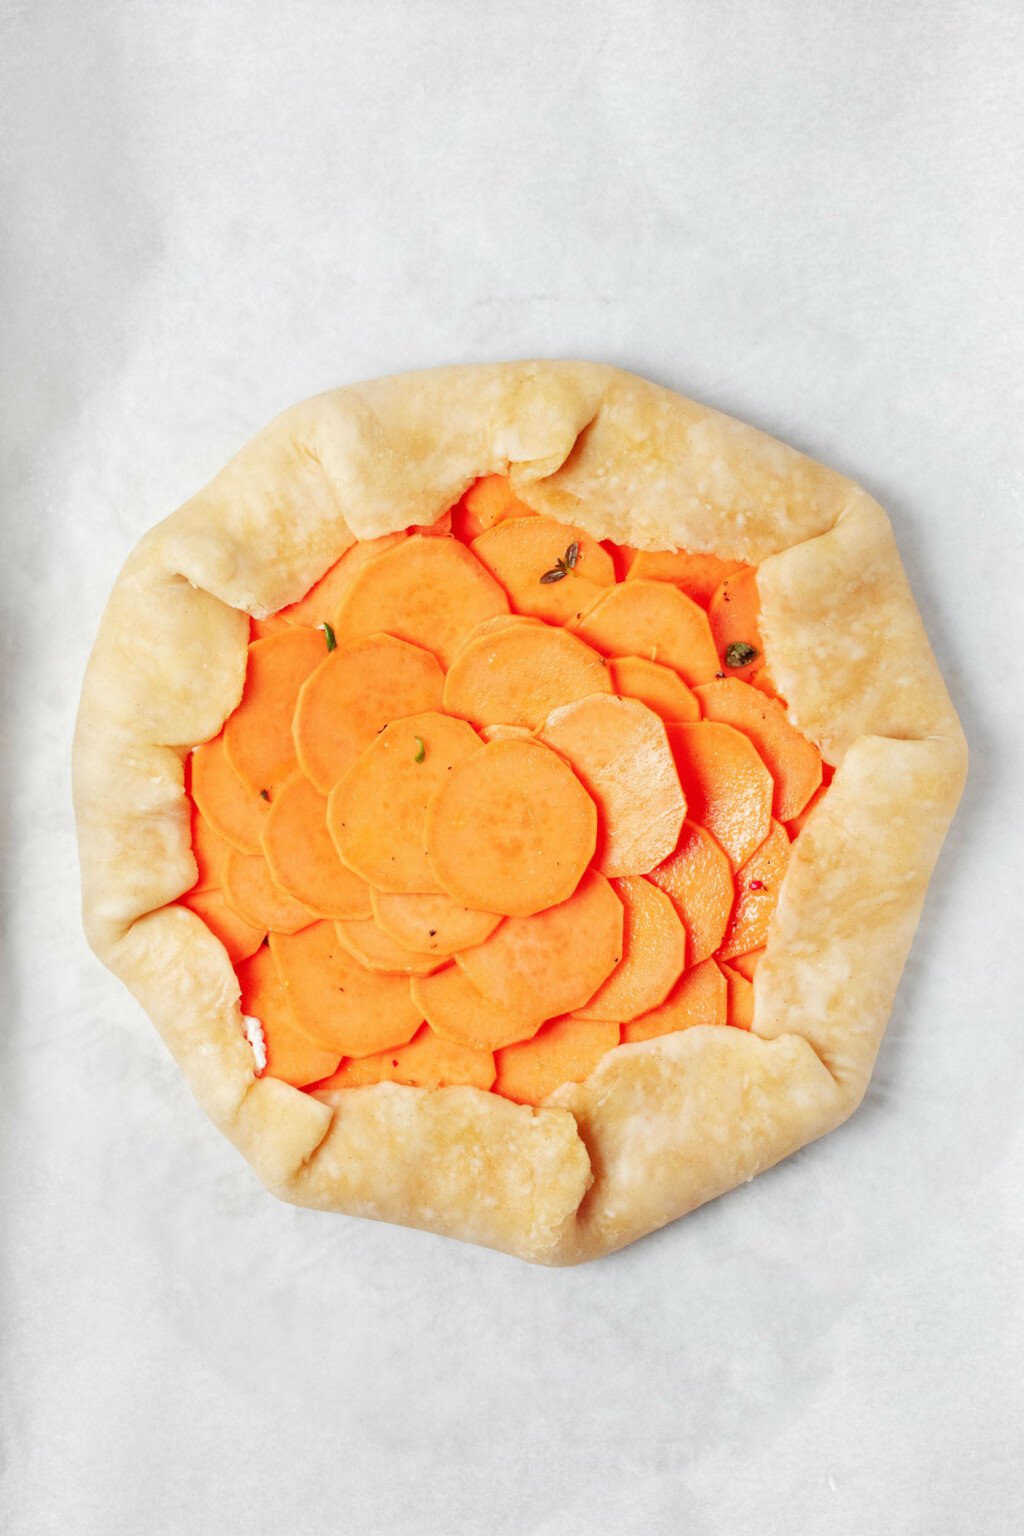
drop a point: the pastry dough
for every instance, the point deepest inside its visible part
(661, 1126)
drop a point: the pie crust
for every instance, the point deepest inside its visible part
(659, 1127)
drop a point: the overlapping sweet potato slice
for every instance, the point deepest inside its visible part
(797, 823)
(697, 878)
(357, 689)
(619, 751)
(699, 576)
(320, 604)
(510, 830)
(335, 1002)
(240, 938)
(432, 924)
(230, 808)
(549, 570)
(654, 620)
(488, 501)
(459, 1011)
(290, 1056)
(747, 964)
(302, 857)
(728, 789)
(258, 736)
(757, 894)
(426, 1062)
(734, 613)
(516, 674)
(653, 955)
(250, 891)
(554, 961)
(793, 761)
(699, 997)
(565, 1051)
(208, 850)
(658, 687)
(367, 942)
(430, 592)
(377, 812)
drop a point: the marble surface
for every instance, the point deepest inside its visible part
(806, 214)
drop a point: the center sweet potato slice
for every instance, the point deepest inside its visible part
(511, 829)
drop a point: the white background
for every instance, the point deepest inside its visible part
(805, 213)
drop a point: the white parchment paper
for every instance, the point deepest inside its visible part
(805, 213)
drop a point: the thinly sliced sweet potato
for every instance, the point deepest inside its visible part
(458, 1011)
(258, 736)
(337, 1003)
(429, 592)
(564, 1051)
(553, 962)
(658, 687)
(793, 761)
(797, 823)
(208, 850)
(249, 891)
(654, 620)
(728, 789)
(653, 955)
(699, 576)
(367, 942)
(522, 551)
(739, 1006)
(377, 811)
(320, 603)
(734, 614)
(488, 501)
(259, 629)
(510, 830)
(619, 751)
(757, 893)
(699, 997)
(239, 938)
(355, 691)
(231, 809)
(290, 1056)
(426, 1062)
(518, 673)
(747, 964)
(434, 924)
(506, 733)
(697, 878)
(302, 857)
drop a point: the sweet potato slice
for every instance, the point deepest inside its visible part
(797, 823)
(747, 964)
(697, 878)
(793, 761)
(258, 736)
(511, 830)
(367, 942)
(734, 614)
(250, 891)
(259, 629)
(699, 997)
(553, 962)
(757, 894)
(239, 938)
(426, 1062)
(699, 576)
(488, 501)
(355, 691)
(208, 850)
(377, 811)
(653, 620)
(429, 592)
(302, 857)
(230, 808)
(433, 924)
(658, 687)
(549, 570)
(320, 604)
(728, 789)
(518, 673)
(337, 1003)
(653, 955)
(506, 733)
(458, 1011)
(290, 1056)
(564, 1051)
(739, 1006)
(619, 751)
